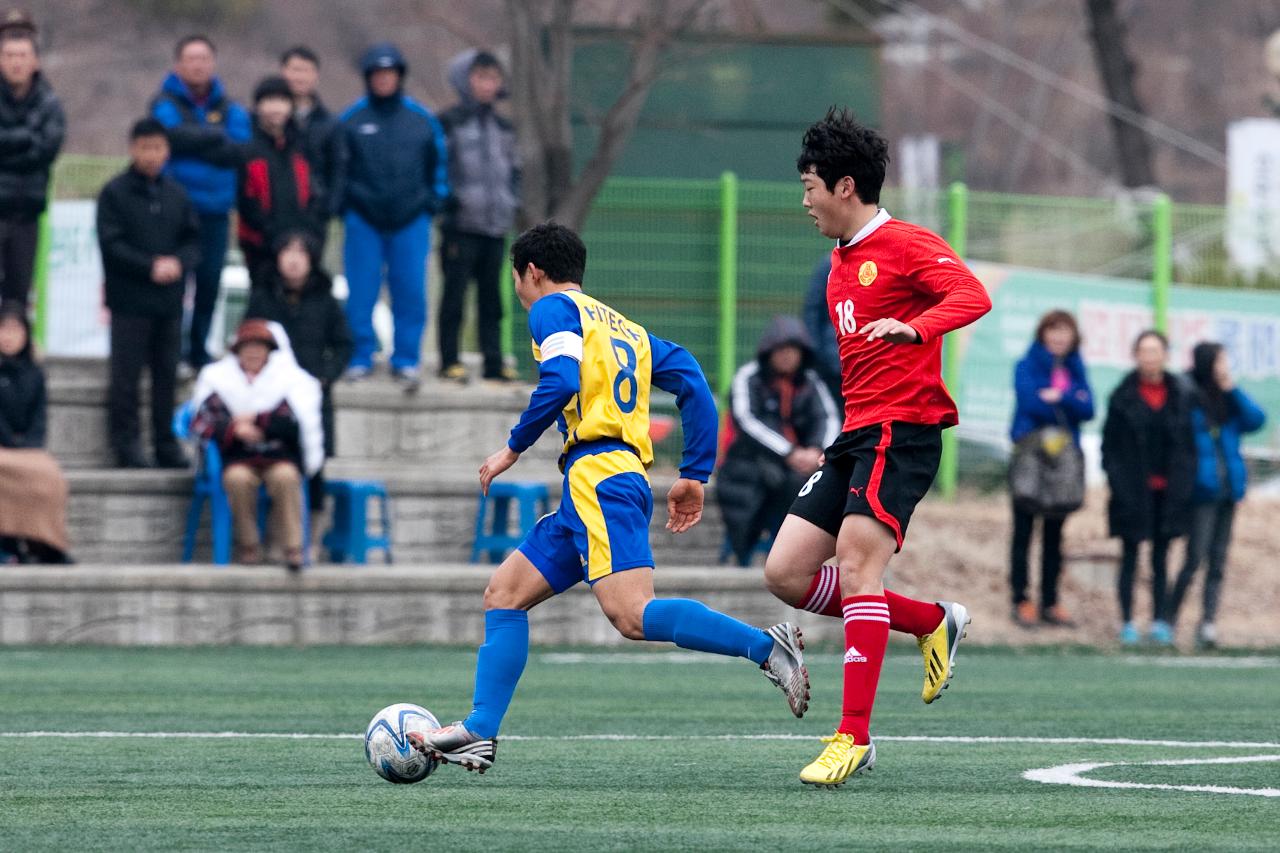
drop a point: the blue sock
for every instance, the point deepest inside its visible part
(499, 663)
(692, 625)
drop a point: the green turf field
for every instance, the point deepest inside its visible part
(695, 780)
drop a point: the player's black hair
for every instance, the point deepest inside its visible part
(1150, 333)
(838, 146)
(146, 127)
(554, 249)
(300, 51)
(194, 38)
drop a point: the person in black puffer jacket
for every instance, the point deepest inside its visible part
(1148, 454)
(783, 417)
(32, 127)
(33, 491)
(298, 295)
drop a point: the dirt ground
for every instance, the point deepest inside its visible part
(961, 550)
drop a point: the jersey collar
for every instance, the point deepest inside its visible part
(882, 216)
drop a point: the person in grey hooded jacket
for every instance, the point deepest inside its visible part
(782, 417)
(484, 174)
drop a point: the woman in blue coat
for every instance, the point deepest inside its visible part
(1221, 414)
(1051, 388)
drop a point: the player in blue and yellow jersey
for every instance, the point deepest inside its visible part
(595, 372)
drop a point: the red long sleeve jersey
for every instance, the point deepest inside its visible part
(897, 270)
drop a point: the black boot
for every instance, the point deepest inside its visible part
(131, 457)
(171, 455)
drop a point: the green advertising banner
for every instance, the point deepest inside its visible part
(1111, 312)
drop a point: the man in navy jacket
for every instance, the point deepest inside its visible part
(207, 131)
(397, 177)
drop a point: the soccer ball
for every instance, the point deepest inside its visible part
(387, 747)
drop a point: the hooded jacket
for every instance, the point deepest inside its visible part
(1220, 468)
(771, 417)
(284, 398)
(206, 138)
(484, 159)
(31, 134)
(276, 191)
(397, 163)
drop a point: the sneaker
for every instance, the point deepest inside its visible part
(840, 759)
(1161, 633)
(357, 373)
(455, 744)
(1129, 635)
(785, 666)
(1058, 616)
(1207, 637)
(939, 649)
(454, 373)
(1024, 614)
(408, 378)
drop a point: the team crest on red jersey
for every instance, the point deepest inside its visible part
(867, 273)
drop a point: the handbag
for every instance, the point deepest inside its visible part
(1046, 471)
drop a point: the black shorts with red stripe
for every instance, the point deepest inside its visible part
(881, 470)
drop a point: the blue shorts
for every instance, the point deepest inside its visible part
(602, 525)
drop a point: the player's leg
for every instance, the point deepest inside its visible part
(610, 506)
(544, 565)
(628, 602)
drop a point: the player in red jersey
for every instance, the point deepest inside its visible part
(894, 290)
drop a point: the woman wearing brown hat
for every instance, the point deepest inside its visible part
(263, 410)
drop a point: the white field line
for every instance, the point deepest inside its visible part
(1072, 774)
(956, 739)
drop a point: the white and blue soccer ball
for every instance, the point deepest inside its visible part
(387, 747)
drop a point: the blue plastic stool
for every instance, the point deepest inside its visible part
(498, 541)
(208, 487)
(348, 537)
(762, 547)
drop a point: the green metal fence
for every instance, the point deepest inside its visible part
(707, 263)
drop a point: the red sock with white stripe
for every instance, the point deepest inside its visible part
(866, 633)
(905, 614)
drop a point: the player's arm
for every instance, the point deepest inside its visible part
(934, 268)
(677, 372)
(557, 329)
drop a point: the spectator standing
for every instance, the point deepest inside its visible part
(207, 132)
(32, 126)
(397, 177)
(1221, 413)
(263, 410)
(149, 237)
(1149, 459)
(484, 176)
(33, 492)
(299, 296)
(320, 131)
(1051, 389)
(817, 320)
(783, 417)
(276, 192)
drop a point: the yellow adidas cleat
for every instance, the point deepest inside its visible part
(939, 649)
(841, 759)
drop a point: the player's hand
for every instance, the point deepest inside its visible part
(495, 465)
(893, 331)
(684, 505)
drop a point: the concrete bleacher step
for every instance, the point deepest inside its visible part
(138, 517)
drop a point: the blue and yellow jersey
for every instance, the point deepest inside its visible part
(596, 369)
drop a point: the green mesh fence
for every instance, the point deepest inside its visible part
(79, 176)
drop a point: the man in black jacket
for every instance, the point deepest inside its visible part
(149, 235)
(320, 131)
(783, 418)
(32, 126)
